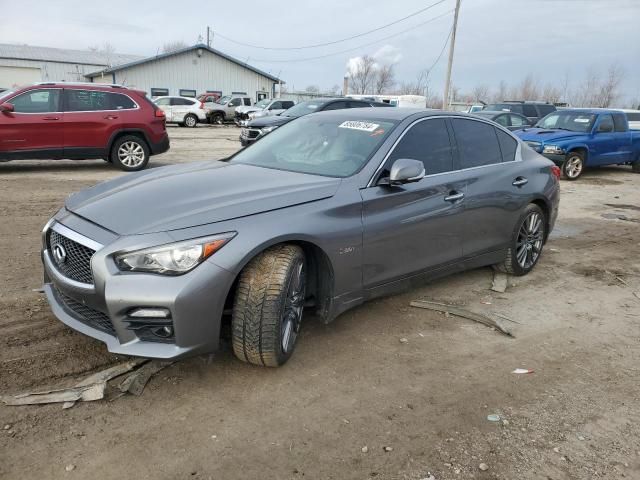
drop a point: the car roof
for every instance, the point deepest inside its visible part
(496, 112)
(175, 96)
(593, 111)
(394, 114)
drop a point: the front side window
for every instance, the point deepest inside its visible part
(287, 104)
(567, 120)
(275, 106)
(606, 123)
(247, 102)
(518, 121)
(502, 120)
(427, 141)
(546, 109)
(529, 110)
(477, 143)
(86, 100)
(319, 145)
(37, 101)
(236, 102)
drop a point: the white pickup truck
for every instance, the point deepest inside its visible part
(264, 108)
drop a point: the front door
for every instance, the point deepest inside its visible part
(35, 128)
(608, 146)
(414, 227)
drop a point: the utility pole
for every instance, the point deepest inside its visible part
(208, 38)
(447, 85)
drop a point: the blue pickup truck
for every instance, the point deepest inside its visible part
(580, 138)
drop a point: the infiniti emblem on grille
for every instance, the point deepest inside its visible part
(59, 253)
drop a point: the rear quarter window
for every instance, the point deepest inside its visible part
(508, 146)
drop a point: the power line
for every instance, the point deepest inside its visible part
(444, 47)
(335, 41)
(354, 48)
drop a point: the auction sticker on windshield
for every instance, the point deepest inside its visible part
(355, 125)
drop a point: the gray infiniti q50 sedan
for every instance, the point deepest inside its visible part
(324, 213)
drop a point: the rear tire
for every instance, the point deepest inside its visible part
(130, 153)
(217, 118)
(267, 311)
(573, 165)
(190, 121)
(526, 244)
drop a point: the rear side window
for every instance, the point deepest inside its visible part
(427, 141)
(37, 101)
(633, 117)
(518, 121)
(530, 110)
(508, 145)
(287, 104)
(619, 123)
(477, 143)
(502, 120)
(86, 100)
(117, 101)
(247, 102)
(181, 101)
(546, 109)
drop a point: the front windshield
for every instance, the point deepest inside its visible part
(5, 94)
(263, 103)
(327, 145)
(224, 99)
(303, 108)
(572, 121)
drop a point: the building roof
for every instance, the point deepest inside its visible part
(141, 61)
(81, 57)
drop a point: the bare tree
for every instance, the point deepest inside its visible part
(608, 92)
(529, 88)
(173, 46)
(502, 92)
(385, 79)
(480, 93)
(362, 74)
(418, 87)
(312, 89)
(586, 94)
(335, 89)
(551, 93)
(107, 50)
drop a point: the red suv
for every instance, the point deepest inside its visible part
(79, 121)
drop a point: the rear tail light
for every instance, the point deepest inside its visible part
(555, 170)
(159, 113)
(201, 105)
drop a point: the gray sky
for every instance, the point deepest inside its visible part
(497, 39)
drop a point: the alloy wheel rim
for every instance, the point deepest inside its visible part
(190, 122)
(529, 241)
(294, 304)
(131, 154)
(574, 166)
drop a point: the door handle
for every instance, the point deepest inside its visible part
(454, 196)
(111, 117)
(51, 118)
(519, 181)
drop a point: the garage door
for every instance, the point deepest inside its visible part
(15, 76)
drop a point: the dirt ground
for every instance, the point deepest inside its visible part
(352, 383)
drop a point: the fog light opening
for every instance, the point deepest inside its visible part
(163, 332)
(155, 312)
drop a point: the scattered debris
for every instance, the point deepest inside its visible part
(500, 282)
(346, 421)
(38, 290)
(484, 302)
(70, 467)
(90, 389)
(364, 449)
(404, 340)
(461, 312)
(505, 422)
(135, 382)
(556, 449)
(388, 449)
(429, 477)
(7, 427)
(484, 467)
(521, 371)
(494, 417)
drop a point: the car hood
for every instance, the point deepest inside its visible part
(183, 196)
(546, 135)
(275, 120)
(247, 109)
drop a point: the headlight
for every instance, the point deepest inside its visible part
(553, 149)
(172, 259)
(268, 129)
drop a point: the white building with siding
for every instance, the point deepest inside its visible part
(191, 71)
(24, 64)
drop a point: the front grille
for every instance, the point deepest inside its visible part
(76, 263)
(87, 315)
(250, 133)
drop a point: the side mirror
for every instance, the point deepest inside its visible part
(406, 170)
(605, 128)
(7, 107)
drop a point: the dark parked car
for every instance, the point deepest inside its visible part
(534, 111)
(509, 120)
(328, 211)
(81, 121)
(259, 127)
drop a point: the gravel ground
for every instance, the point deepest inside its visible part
(355, 401)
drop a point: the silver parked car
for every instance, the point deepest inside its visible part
(328, 211)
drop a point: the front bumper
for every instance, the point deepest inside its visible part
(557, 159)
(101, 310)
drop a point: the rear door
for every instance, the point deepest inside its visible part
(89, 122)
(414, 227)
(165, 105)
(180, 107)
(488, 166)
(36, 124)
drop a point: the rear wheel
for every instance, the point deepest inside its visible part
(217, 118)
(267, 311)
(190, 120)
(526, 242)
(130, 153)
(573, 165)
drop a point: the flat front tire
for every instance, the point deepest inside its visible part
(267, 311)
(526, 243)
(130, 153)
